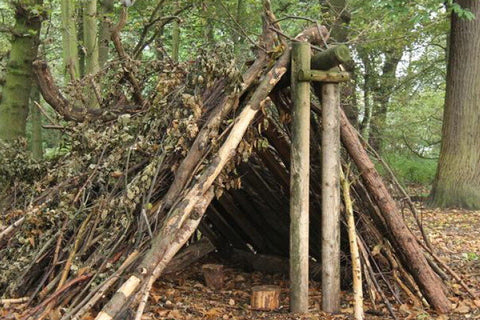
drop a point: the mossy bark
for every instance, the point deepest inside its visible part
(36, 121)
(105, 30)
(91, 47)
(175, 38)
(90, 36)
(19, 76)
(69, 39)
(457, 183)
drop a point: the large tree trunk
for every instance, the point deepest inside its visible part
(18, 79)
(457, 183)
(69, 39)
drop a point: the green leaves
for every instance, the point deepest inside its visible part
(463, 13)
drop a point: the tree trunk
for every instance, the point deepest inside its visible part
(105, 30)
(176, 37)
(36, 120)
(383, 91)
(19, 72)
(367, 91)
(457, 183)
(91, 47)
(90, 36)
(69, 39)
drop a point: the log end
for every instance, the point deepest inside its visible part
(213, 275)
(265, 298)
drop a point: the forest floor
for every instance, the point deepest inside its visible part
(455, 235)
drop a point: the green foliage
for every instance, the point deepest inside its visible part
(459, 11)
(471, 256)
(411, 170)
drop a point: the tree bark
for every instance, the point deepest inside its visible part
(90, 42)
(457, 183)
(330, 198)
(299, 180)
(36, 121)
(105, 30)
(69, 39)
(176, 38)
(90, 36)
(19, 72)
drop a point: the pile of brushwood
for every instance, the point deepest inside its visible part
(93, 229)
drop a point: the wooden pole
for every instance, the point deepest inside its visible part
(299, 180)
(330, 198)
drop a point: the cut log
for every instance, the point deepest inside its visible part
(190, 255)
(330, 58)
(265, 298)
(213, 275)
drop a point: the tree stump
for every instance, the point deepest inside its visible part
(213, 275)
(265, 298)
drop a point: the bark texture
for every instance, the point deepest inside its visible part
(457, 183)
(19, 76)
(69, 39)
(105, 30)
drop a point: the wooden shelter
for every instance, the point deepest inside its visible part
(230, 181)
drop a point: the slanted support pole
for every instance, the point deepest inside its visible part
(330, 198)
(299, 180)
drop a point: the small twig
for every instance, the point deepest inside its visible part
(47, 301)
(68, 263)
(96, 294)
(51, 126)
(14, 300)
(39, 106)
(362, 248)
(293, 39)
(449, 270)
(242, 30)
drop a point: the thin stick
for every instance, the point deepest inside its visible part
(14, 300)
(372, 276)
(92, 298)
(39, 106)
(352, 236)
(452, 273)
(42, 305)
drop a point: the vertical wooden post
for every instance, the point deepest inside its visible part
(330, 198)
(299, 180)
